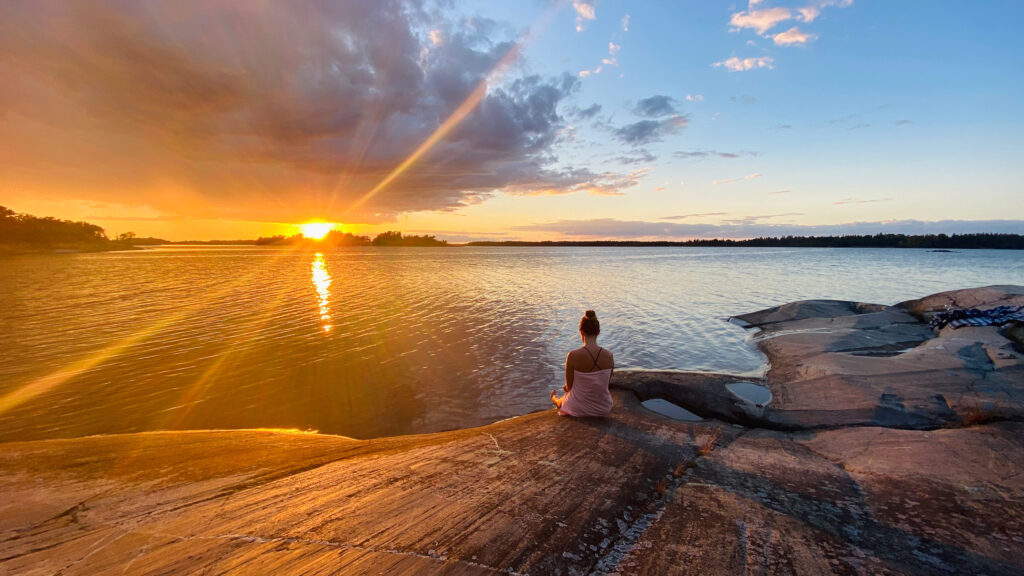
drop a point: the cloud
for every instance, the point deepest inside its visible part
(760, 20)
(694, 98)
(263, 112)
(685, 216)
(738, 179)
(749, 220)
(735, 64)
(610, 228)
(613, 50)
(642, 157)
(705, 154)
(648, 131)
(776, 192)
(655, 106)
(860, 201)
(810, 12)
(625, 23)
(610, 60)
(588, 112)
(792, 36)
(745, 99)
(584, 12)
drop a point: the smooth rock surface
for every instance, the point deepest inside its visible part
(855, 467)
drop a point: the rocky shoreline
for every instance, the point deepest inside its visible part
(886, 448)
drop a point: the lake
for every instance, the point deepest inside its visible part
(368, 342)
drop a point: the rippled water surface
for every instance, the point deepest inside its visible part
(368, 342)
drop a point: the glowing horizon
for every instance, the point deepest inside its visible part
(561, 121)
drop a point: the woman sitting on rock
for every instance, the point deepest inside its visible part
(587, 372)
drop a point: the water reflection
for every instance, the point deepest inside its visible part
(322, 282)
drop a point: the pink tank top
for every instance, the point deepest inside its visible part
(589, 395)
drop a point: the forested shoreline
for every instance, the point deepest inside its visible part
(934, 241)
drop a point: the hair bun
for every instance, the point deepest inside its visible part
(590, 314)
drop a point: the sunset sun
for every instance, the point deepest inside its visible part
(316, 230)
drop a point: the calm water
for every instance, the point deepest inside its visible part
(368, 342)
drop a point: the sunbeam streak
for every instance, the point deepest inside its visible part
(460, 113)
(44, 384)
(456, 117)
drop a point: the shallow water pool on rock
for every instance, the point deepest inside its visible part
(674, 411)
(750, 392)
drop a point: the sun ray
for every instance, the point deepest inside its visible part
(460, 113)
(44, 384)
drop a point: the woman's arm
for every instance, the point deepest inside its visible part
(568, 372)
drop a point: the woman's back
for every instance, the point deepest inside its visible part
(584, 359)
(588, 371)
(591, 372)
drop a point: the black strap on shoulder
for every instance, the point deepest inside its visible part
(592, 357)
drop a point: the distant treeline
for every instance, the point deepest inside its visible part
(337, 238)
(937, 241)
(27, 233)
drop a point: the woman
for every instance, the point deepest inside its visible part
(587, 372)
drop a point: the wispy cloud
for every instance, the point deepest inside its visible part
(625, 23)
(610, 60)
(656, 106)
(700, 215)
(694, 97)
(793, 36)
(760, 21)
(641, 157)
(737, 179)
(613, 50)
(775, 192)
(860, 201)
(610, 228)
(648, 131)
(736, 64)
(584, 12)
(705, 154)
(811, 12)
(749, 220)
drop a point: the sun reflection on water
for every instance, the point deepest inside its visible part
(322, 282)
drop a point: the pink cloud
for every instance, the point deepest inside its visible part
(793, 36)
(735, 64)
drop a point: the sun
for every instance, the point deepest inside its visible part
(316, 230)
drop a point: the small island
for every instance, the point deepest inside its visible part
(27, 234)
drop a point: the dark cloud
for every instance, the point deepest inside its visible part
(274, 111)
(648, 131)
(609, 228)
(587, 113)
(656, 107)
(705, 154)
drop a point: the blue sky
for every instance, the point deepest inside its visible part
(616, 119)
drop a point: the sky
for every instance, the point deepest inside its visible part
(534, 120)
